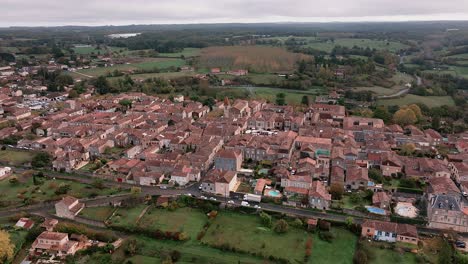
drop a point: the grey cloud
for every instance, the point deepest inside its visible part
(106, 12)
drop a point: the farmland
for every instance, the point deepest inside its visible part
(187, 52)
(145, 65)
(15, 157)
(45, 190)
(431, 101)
(97, 213)
(253, 58)
(245, 233)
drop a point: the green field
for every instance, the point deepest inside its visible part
(148, 65)
(246, 233)
(127, 216)
(379, 90)
(458, 71)
(191, 252)
(25, 191)
(292, 96)
(459, 56)
(380, 255)
(97, 213)
(15, 157)
(340, 251)
(431, 101)
(163, 75)
(187, 52)
(93, 50)
(186, 220)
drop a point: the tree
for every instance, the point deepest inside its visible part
(416, 110)
(375, 175)
(266, 219)
(281, 99)
(63, 80)
(126, 104)
(407, 149)
(305, 100)
(404, 117)
(6, 247)
(383, 113)
(73, 94)
(41, 160)
(102, 85)
(336, 190)
(281, 226)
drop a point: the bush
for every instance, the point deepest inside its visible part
(297, 223)
(324, 225)
(266, 219)
(281, 226)
(360, 257)
(326, 236)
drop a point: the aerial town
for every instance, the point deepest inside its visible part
(104, 163)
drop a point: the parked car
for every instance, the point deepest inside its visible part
(163, 187)
(257, 206)
(230, 202)
(212, 198)
(244, 203)
(460, 244)
(203, 197)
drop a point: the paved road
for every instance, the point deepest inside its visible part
(399, 93)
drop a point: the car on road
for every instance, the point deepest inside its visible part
(189, 194)
(244, 203)
(230, 202)
(203, 197)
(163, 187)
(257, 206)
(465, 194)
(212, 199)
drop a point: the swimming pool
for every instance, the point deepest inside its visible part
(375, 210)
(274, 193)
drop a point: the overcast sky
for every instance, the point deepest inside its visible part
(124, 12)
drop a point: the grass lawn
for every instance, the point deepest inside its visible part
(191, 252)
(431, 101)
(163, 75)
(160, 64)
(379, 90)
(187, 52)
(18, 238)
(388, 256)
(185, 219)
(16, 157)
(97, 213)
(144, 260)
(292, 96)
(147, 65)
(127, 216)
(339, 251)
(246, 233)
(16, 194)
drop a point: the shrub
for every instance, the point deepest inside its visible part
(324, 225)
(281, 226)
(326, 236)
(297, 223)
(266, 219)
(360, 257)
